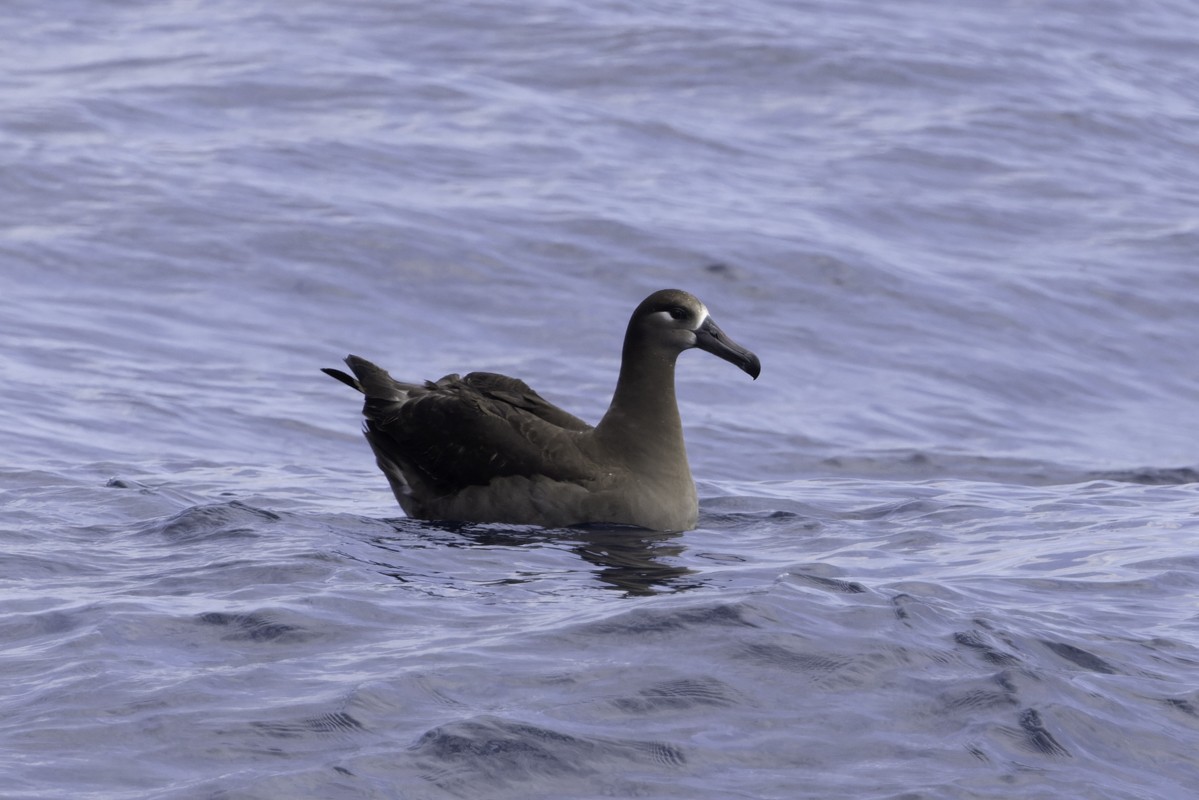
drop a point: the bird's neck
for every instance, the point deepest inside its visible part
(644, 416)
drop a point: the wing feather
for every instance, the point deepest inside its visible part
(459, 432)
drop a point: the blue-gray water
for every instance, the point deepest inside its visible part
(949, 542)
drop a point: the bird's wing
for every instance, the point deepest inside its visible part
(518, 394)
(452, 434)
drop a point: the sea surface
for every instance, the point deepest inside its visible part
(949, 541)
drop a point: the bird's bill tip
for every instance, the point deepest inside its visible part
(712, 339)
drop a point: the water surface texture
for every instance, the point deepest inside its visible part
(948, 543)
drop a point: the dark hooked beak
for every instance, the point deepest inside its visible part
(711, 338)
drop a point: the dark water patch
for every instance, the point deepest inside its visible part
(337, 723)
(253, 627)
(889, 510)
(978, 753)
(1082, 658)
(1183, 704)
(724, 270)
(491, 750)
(830, 584)
(993, 691)
(655, 621)
(977, 699)
(1034, 736)
(1151, 476)
(900, 604)
(921, 603)
(979, 642)
(679, 695)
(16, 627)
(910, 465)
(738, 520)
(54, 564)
(1006, 681)
(1179, 570)
(215, 521)
(732, 512)
(723, 513)
(794, 659)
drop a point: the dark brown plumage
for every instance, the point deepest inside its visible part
(487, 448)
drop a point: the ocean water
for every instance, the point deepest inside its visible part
(949, 541)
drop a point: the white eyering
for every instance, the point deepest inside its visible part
(668, 319)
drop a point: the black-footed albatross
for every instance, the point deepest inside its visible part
(487, 448)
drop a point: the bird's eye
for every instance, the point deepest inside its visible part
(678, 312)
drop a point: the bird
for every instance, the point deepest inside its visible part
(487, 448)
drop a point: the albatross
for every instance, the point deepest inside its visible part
(487, 448)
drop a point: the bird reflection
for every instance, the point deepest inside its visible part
(631, 560)
(628, 559)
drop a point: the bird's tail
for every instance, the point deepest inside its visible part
(372, 380)
(348, 380)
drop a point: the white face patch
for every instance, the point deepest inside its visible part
(669, 320)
